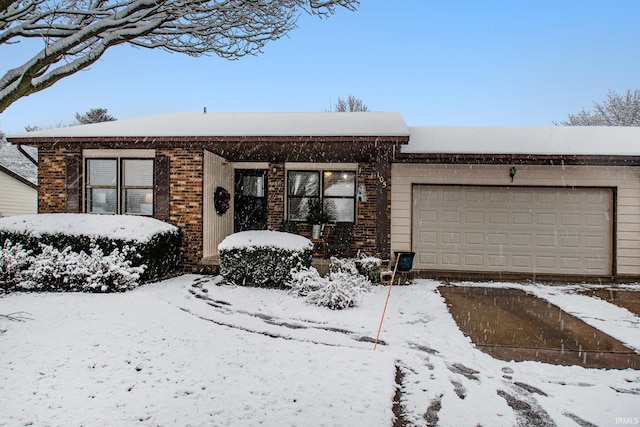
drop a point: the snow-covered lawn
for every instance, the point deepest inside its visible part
(188, 351)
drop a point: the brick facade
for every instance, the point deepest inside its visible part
(185, 198)
(52, 177)
(186, 174)
(366, 228)
(275, 196)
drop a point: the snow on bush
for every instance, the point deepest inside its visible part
(263, 258)
(340, 289)
(142, 241)
(13, 260)
(55, 270)
(52, 269)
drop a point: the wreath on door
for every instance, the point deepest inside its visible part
(221, 199)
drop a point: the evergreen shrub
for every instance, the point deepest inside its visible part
(260, 261)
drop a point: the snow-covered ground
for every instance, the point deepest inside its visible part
(189, 351)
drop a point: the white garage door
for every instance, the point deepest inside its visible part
(513, 229)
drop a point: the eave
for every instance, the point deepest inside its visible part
(518, 159)
(236, 148)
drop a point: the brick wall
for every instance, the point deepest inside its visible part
(366, 228)
(186, 173)
(185, 199)
(52, 178)
(365, 231)
(275, 196)
(185, 203)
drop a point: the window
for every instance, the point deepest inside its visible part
(339, 195)
(335, 189)
(119, 186)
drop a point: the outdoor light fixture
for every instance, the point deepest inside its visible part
(512, 172)
(274, 169)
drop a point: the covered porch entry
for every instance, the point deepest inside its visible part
(256, 181)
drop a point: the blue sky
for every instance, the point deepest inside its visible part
(461, 63)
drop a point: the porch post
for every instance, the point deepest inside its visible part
(382, 208)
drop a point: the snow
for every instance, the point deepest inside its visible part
(552, 140)
(238, 124)
(123, 227)
(266, 238)
(16, 162)
(190, 351)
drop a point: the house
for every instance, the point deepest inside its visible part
(526, 202)
(18, 191)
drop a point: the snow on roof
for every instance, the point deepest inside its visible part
(239, 124)
(552, 140)
(265, 238)
(124, 227)
(17, 163)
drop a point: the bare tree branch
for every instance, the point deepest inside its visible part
(76, 33)
(617, 110)
(352, 104)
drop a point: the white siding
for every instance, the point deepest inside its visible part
(624, 180)
(218, 172)
(16, 198)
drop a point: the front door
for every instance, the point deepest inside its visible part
(250, 202)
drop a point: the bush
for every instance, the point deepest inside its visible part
(13, 260)
(142, 241)
(55, 270)
(341, 289)
(263, 258)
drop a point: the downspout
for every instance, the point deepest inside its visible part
(27, 155)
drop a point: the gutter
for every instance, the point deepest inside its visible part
(27, 155)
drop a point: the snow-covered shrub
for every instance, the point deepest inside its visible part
(14, 259)
(340, 289)
(305, 281)
(143, 241)
(335, 295)
(65, 270)
(369, 266)
(263, 258)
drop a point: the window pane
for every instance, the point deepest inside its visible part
(102, 200)
(138, 173)
(341, 210)
(102, 171)
(304, 184)
(298, 209)
(138, 201)
(339, 183)
(253, 186)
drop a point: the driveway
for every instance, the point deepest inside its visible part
(511, 324)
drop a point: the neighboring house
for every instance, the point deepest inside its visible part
(18, 178)
(531, 202)
(18, 196)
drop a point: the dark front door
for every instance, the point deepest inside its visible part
(250, 203)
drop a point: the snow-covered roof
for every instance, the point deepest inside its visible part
(185, 124)
(17, 163)
(552, 140)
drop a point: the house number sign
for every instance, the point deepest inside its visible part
(383, 182)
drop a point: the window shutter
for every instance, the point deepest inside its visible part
(73, 184)
(161, 188)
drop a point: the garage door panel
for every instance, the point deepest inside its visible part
(513, 229)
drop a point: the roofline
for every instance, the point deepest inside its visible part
(518, 159)
(14, 175)
(183, 140)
